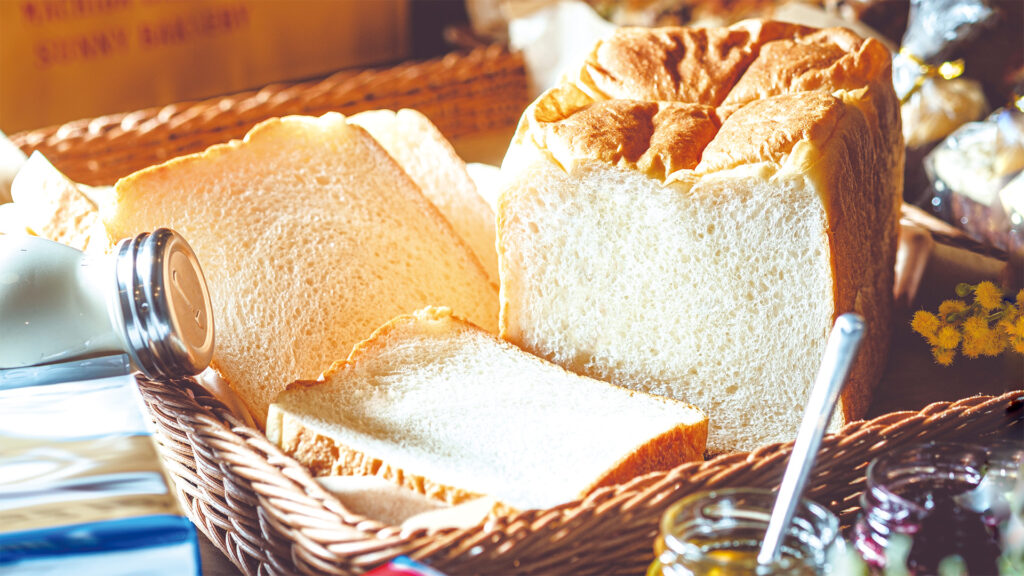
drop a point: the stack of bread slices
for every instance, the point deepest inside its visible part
(678, 225)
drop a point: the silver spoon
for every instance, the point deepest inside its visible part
(840, 350)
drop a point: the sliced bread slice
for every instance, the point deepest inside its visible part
(53, 206)
(432, 163)
(440, 406)
(310, 236)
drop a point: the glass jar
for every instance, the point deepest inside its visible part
(720, 532)
(932, 503)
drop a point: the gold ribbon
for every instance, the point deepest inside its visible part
(946, 70)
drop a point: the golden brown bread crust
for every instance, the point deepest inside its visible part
(638, 72)
(818, 103)
(767, 130)
(864, 263)
(658, 138)
(696, 65)
(681, 444)
(829, 60)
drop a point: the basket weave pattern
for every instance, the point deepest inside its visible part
(460, 93)
(269, 516)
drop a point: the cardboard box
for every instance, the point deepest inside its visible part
(62, 60)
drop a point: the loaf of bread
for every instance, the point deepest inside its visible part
(440, 406)
(688, 214)
(429, 159)
(310, 236)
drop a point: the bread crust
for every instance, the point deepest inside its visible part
(627, 104)
(664, 452)
(697, 65)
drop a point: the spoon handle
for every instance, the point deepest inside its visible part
(840, 351)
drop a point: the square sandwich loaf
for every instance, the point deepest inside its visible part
(688, 214)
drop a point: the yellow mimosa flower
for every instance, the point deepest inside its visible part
(948, 337)
(986, 326)
(976, 328)
(925, 323)
(988, 296)
(951, 307)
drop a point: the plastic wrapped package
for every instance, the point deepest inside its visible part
(926, 76)
(1002, 37)
(934, 29)
(976, 180)
(1012, 199)
(939, 107)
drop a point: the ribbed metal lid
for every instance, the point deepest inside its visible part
(168, 317)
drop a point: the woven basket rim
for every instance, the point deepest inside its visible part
(96, 127)
(461, 92)
(313, 515)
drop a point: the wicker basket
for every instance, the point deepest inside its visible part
(461, 93)
(265, 511)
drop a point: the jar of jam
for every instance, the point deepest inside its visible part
(936, 504)
(720, 532)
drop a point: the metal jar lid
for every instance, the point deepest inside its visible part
(168, 317)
